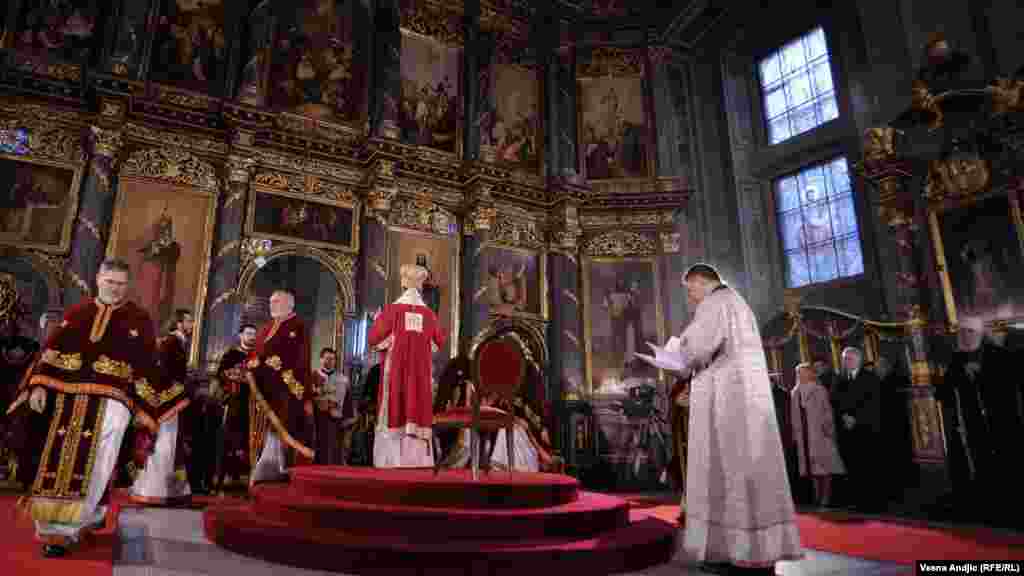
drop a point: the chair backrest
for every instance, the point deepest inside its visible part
(500, 368)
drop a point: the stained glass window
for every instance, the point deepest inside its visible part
(796, 86)
(14, 141)
(818, 224)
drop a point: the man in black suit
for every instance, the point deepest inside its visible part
(857, 404)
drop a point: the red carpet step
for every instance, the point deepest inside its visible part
(446, 489)
(375, 522)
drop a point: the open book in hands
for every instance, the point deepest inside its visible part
(668, 357)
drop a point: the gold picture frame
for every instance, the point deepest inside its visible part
(949, 253)
(70, 203)
(542, 289)
(258, 194)
(588, 315)
(136, 197)
(454, 248)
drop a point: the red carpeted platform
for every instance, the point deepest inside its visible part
(370, 521)
(22, 555)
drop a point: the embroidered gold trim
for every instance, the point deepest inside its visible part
(263, 410)
(56, 511)
(69, 449)
(100, 321)
(111, 367)
(173, 412)
(273, 330)
(274, 362)
(154, 398)
(69, 362)
(294, 385)
(51, 436)
(94, 444)
(88, 388)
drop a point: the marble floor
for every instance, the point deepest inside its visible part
(170, 542)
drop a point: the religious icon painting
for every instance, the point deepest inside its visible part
(430, 110)
(296, 218)
(190, 49)
(614, 132)
(984, 260)
(40, 203)
(56, 38)
(314, 68)
(510, 123)
(514, 281)
(622, 298)
(165, 233)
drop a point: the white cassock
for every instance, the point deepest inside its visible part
(116, 418)
(158, 482)
(739, 508)
(524, 452)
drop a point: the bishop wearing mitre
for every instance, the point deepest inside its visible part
(406, 333)
(281, 429)
(91, 378)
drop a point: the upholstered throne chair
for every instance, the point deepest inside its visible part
(498, 369)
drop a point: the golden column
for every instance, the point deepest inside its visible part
(888, 172)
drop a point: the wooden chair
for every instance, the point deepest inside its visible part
(499, 368)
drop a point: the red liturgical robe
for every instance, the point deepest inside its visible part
(103, 351)
(173, 390)
(282, 383)
(407, 332)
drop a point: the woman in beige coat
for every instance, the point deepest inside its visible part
(814, 432)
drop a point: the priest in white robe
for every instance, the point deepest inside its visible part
(739, 507)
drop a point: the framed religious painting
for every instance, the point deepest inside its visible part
(982, 245)
(56, 39)
(190, 47)
(439, 254)
(623, 312)
(40, 199)
(429, 114)
(615, 135)
(164, 231)
(514, 281)
(510, 122)
(314, 71)
(300, 218)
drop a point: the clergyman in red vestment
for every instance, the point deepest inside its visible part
(282, 393)
(158, 482)
(231, 456)
(90, 379)
(407, 333)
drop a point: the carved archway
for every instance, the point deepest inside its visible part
(341, 266)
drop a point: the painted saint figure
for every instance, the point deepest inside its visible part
(157, 272)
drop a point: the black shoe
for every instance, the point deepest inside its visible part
(54, 551)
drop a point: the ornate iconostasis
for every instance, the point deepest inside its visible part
(227, 148)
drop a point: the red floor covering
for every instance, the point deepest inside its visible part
(21, 551)
(895, 540)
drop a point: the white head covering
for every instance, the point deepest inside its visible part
(707, 266)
